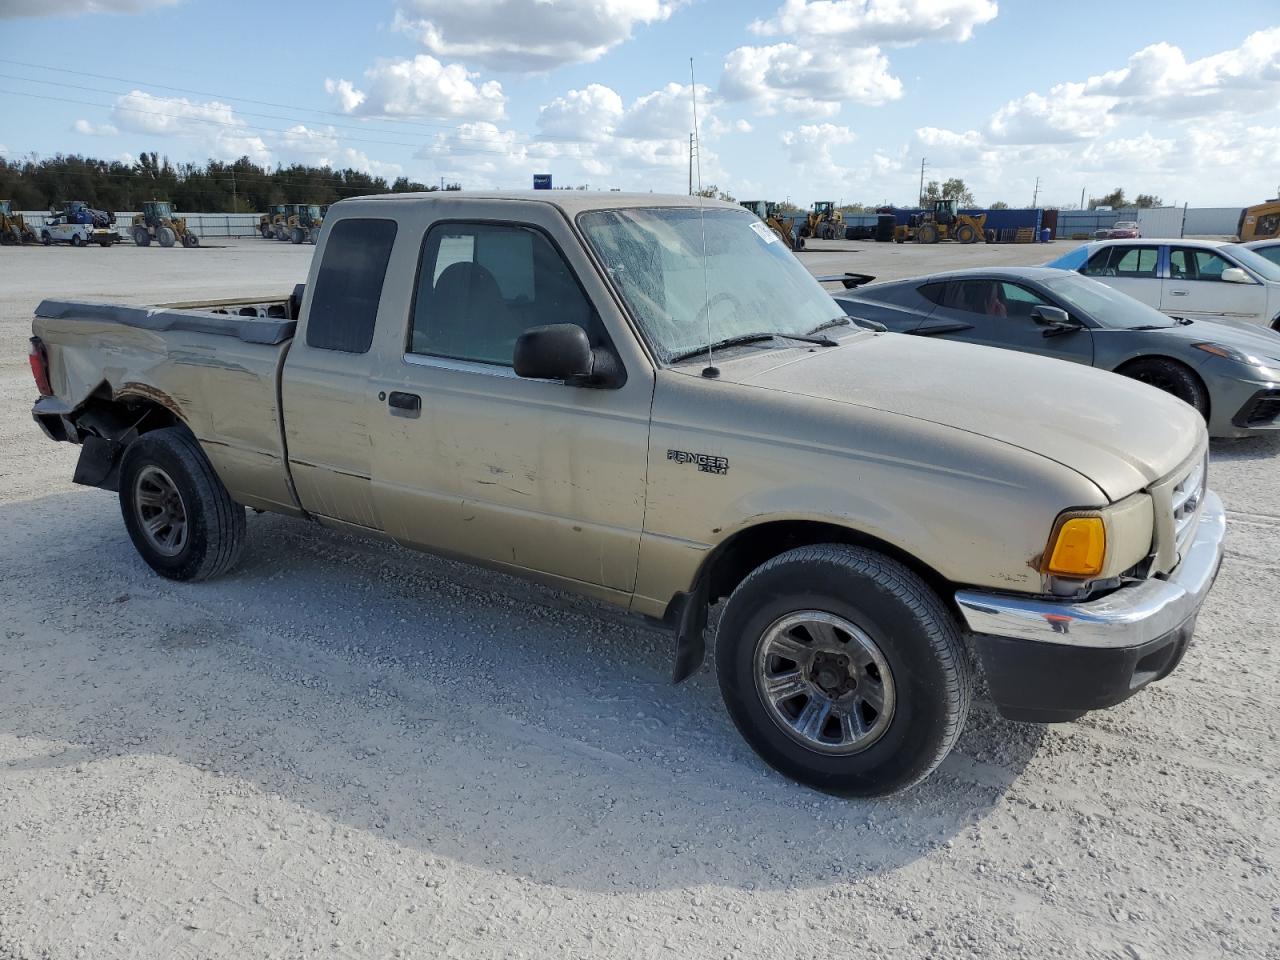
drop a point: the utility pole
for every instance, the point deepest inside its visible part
(923, 162)
(234, 207)
(1082, 198)
(691, 164)
(1036, 195)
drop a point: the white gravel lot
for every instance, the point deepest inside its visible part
(348, 750)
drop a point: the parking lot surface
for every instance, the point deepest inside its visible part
(347, 749)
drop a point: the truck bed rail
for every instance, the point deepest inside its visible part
(250, 327)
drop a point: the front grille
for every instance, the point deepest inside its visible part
(1262, 410)
(1185, 499)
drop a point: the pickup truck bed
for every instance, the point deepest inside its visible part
(213, 365)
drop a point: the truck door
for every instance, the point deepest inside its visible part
(471, 459)
(326, 402)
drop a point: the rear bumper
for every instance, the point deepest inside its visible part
(1050, 660)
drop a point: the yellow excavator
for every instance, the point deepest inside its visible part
(767, 211)
(943, 222)
(1260, 222)
(824, 222)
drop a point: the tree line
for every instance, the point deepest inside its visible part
(211, 187)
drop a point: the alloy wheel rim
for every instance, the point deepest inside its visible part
(824, 682)
(161, 513)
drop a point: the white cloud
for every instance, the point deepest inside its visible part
(870, 22)
(587, 114)
(1067, 114)
(811, 145)
(667, 114)
(13, 9)
(742, 126)
(421, 87)
(808, 81)
(527, 35)
(348, 158)
(310, 141)
(212, 123)
(94, 130)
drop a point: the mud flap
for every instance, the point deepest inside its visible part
(99, 463)
(691, 626)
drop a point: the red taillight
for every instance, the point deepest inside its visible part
(39, 359)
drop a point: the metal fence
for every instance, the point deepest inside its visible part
(204, 225)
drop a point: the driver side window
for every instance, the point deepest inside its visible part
(481, 285)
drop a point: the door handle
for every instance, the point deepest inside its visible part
(404, 404)
(1177, 293)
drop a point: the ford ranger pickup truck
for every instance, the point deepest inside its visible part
(653, 403)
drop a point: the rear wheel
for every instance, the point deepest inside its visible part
(77, 240)
(927, 234)
(141, 237)
(843, 669)
(1173, 378)
(46, 238)
(965, 233)
(179, 515)
(297, 235)
(166, 237)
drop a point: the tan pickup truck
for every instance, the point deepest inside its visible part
(653, 403)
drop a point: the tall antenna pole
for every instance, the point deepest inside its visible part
(1082, 198)
(923, 161)
(1036, 195)
(691, 163)
(710, 371)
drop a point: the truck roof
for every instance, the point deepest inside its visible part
(571, 202)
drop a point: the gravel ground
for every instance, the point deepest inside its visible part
(345, 749)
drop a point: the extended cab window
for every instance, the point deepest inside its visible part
(1123, 261)
(344, 304)
(481, 285)
(991, 298)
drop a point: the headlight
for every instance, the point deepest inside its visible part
(1078, 547)
(1103, 543)
(1230, 353)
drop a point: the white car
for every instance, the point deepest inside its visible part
(1270, 249)
(1192, 279)
(76, 234)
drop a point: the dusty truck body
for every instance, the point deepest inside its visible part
(564, 388)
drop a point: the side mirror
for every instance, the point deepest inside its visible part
(1050, 316)
(561, 351)
(1235, 275)
(1055, 321)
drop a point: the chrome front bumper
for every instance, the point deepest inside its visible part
(1133, 615)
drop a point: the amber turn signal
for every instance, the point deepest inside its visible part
(1080, 548)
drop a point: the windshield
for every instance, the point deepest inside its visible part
(1110, 308)
(1259, 265)
(161, 209)
(314, 211)
(753, 283)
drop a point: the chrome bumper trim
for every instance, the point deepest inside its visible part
(1136, 613)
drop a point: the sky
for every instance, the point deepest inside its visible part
(797, 99)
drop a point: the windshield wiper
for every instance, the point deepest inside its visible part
(1155, 326)
(742, 338)
(834, 322)
(746, 338)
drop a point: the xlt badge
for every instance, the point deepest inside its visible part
(704, 461)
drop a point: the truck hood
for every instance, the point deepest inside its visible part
(1120, 434)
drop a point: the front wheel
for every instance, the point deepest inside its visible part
(1173, 378)
(77, 240)
(843, 670)
(179, 515)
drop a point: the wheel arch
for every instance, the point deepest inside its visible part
(732, 560)
(1123, 367)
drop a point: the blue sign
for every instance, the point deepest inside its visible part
(542, 181)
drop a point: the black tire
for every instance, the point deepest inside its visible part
(919, 640)
(190, 240)
(77, 240)
(965, 233)
(215, 527)
(1173, 378)
(46, 238)
(141, 237)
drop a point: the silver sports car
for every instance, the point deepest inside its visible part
(1230, 372)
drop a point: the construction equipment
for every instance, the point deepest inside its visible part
(1260, 222)
(824, 222)
(943, 222)
(303, 223)
(13, 227)
(157, 222)
(768, 212)
(271, 224)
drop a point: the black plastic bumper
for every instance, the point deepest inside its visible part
(1052, 683)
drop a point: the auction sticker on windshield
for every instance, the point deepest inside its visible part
(763, 232)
